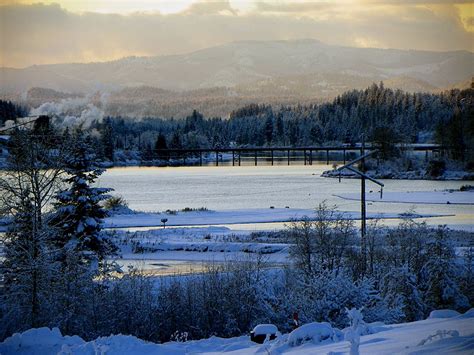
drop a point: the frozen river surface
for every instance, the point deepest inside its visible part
(299, 186)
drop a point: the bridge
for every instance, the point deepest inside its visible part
(307, 153)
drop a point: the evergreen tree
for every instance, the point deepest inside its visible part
(439, 276)
(159, 145)
(176, 142)
(108, 140)
(77, 247)
(79, 214)
(269, 129)
(399, 287)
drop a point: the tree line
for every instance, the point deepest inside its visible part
(381, 114)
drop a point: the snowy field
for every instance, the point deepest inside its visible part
(417, 197)
(444, 332)
(188, 250)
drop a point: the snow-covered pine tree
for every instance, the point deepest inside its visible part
(440, 274)
(77, 247)
(79, 215)
(467, 277)
(399, 287)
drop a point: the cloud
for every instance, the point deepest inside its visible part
(39, 34)
(294, 7)
(210, 8)
(416, 2)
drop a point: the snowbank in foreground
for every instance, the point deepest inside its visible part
(454, 335)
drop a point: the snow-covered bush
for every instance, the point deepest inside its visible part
(443, 313)
(439, 275)
(399, 289)
(38, 340)
(313, 332)
(265, 329)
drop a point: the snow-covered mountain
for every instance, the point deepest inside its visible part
(243, 63)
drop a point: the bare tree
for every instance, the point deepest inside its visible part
(27, 185)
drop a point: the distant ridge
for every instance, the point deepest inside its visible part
(244, 63)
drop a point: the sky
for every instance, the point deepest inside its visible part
(101, 30)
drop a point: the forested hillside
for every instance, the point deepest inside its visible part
(378, 112)
(381, 113)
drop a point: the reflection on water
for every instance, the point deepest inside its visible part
(298, 186)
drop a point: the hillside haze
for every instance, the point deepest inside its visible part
(243, 63)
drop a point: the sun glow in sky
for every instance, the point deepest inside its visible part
(124, 7)
(55, 31)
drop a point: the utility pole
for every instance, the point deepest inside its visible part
(363, 209)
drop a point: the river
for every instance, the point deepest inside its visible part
(296, 186)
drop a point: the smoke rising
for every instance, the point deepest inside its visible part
(73, 112)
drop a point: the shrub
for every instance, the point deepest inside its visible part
(436, 168)
(115, 203)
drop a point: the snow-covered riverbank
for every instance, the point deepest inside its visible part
(444, 332)
(416, 197)
(227, 217)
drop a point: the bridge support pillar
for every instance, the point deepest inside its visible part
(288, 157)
(272, 156)
(327, 156)
(310, 157)
(255, 158)
(304, 156)
(240, 153)
(233, 158)
(344, 155)
(217, 158)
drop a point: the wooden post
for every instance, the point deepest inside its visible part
(233, 158)
(217, 158)
(272, 156)
(327, 156)
(310, 157)
(304, 156)
(344, 154)
(240, 153)
(255, 158)
(288, 157)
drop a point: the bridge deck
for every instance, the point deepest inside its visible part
(308, 156)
